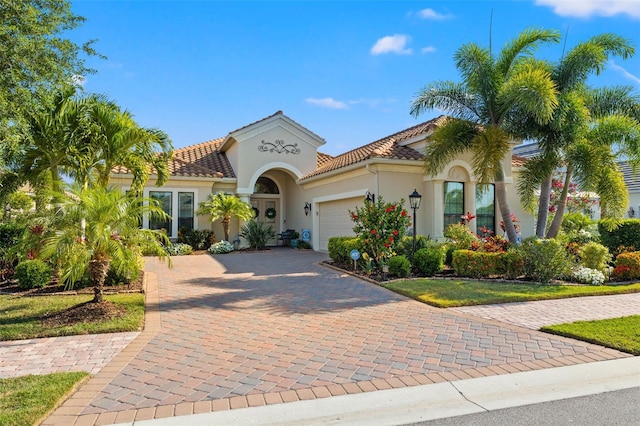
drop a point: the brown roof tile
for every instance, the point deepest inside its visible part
(517, 160)
(387, 147)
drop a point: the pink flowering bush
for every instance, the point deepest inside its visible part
(380, 227)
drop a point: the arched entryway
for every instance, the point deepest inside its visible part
(266, 201)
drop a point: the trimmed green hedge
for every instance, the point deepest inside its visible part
(479, 264)
(340, 247)
(627, 266)
(625, 235)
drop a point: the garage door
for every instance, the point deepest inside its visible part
(335, 219)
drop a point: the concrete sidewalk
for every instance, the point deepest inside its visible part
(269, 329)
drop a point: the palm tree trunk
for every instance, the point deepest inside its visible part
(98, 270)
(543, 206)
(505, 212)
(562, 203)
(226, 225)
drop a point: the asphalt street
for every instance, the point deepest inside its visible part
(611, 408)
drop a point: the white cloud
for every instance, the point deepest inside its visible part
(624, 72)
(588, 8)
(428, 49)
(327, 103)
(433, 15)
(392, 44)
(78, 80)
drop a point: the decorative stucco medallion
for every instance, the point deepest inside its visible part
(279, 147)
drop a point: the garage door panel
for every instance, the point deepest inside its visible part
(335, 219)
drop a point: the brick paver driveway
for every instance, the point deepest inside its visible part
(248, 329)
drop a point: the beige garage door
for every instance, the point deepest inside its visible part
(335, 219)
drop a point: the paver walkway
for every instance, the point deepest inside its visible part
(547, 312)
(88, 353)
(251, 329)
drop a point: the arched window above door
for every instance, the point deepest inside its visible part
(264, 185)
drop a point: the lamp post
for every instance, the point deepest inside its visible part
(414, 201)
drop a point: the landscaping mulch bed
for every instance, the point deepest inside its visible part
(55, 288)
(85, 312)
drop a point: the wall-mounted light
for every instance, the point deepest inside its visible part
(370, 197)
(307, 208)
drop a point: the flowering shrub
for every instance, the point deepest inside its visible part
(515, 224)
(460, 237)
(627, 266)
(380, 226)
(179, 249)
(577, 201)
(588, 276)
(490, 243)
(221, 247)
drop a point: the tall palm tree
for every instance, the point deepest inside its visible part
(111, 238)
(494, 90)
(225, 206)
(572, 121)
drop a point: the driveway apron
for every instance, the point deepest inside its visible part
(258, 328)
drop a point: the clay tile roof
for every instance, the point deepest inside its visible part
(201, 160)
(387, 147)
(517, 160)
(322, 159)
(279, 112)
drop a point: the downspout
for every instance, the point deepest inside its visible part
(376, 184)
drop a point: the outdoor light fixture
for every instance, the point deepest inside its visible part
(370, 197)
(414, 202)
(307, 208)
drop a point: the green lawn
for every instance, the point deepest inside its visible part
(26, 400)
(21, 317)
(622, 334)
(450, 293)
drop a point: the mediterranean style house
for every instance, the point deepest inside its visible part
(276, 165)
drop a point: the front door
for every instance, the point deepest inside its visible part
(267, 212)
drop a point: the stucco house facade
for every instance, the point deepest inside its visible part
(277, 166)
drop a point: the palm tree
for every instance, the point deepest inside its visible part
(111, 238)
(86, 137)
(225, 206)
(494, 91)
(572, 121)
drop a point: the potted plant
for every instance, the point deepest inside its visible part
(294, 239)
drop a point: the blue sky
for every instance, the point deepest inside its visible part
(345, 70)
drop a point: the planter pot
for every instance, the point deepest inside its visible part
(294, 243)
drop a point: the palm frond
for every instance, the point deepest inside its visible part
(489, 148)
(448, 141)
(524, 44)
(449, 97)
(534, 172)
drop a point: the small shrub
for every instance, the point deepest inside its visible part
(448, 257)
(429, 260)
(405, 246)
(594, 256)
(115, 278)
(544, 259)
(627, 266)
(399, 266)
(179, 249)
(589, 276)
(221, 247)
(257, 234)
(475, 264)
(33, 274)
(197, 239)
(513, 264)
(340, 247)
(304, 245)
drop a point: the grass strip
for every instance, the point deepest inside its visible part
(26, 400)
(622, 334)
(451, 293)
(21, 317)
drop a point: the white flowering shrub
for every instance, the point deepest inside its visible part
(588, 276)
(221, 247)
(180, 249)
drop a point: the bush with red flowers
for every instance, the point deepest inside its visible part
(380, 227)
